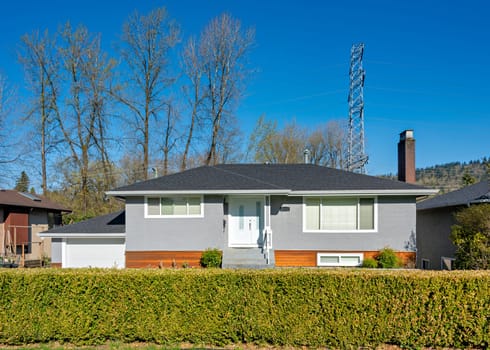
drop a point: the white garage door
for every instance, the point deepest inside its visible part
(94, 252)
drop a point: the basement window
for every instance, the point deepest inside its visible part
(340, 259)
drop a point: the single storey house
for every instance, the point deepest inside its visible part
(258, 215)
(22, 217)
(435, 216)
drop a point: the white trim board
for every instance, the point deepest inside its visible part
(414, 192)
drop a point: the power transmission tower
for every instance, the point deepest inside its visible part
(356, 157)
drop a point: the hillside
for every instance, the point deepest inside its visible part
(451, 176)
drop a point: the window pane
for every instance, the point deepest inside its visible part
(350, 260)
(153, 206)
(312, 213)
(258, 213)
(241, 213)
(339, 214)
(329, 259)
(180, 206)
(167, 206)
(194, 205)
(366, 215)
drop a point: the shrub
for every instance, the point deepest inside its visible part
(211, 258)
(387, 258)
(370, 263)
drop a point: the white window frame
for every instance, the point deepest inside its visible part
(149, 216)
(339, 255)
(375, 214)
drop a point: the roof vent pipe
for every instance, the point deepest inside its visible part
(306, 154)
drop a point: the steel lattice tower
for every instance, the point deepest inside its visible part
(356, 157)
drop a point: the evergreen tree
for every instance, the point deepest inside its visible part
(22, 183)
(468, 179)
(471, 236)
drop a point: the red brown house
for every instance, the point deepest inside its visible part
(22, 217)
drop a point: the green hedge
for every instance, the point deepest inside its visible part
(310, 307)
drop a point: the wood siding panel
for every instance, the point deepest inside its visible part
(308, 258)
(407, 258)
(290, 258)
(18, 225)
(163, 259)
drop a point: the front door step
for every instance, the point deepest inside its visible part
(245, 258)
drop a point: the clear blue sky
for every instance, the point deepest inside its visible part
(427, 63)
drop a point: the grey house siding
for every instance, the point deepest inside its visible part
(396, 228)
(175, 234)
(433, 231)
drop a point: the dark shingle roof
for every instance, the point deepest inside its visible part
(110, 223)
(477, 193)
(27, 200)
(293, 177)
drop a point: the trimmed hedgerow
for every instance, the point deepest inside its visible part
(327, 308)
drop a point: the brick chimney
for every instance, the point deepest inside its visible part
(406, 157)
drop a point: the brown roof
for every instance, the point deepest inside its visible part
(21, 199)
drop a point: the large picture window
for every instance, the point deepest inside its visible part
(174, 206)
(339, 214)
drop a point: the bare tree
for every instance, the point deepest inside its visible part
(87, 75)
(168, 138)
(7, 94)
(260, 139)
(336, 135)
(193, 92)
(37, 55)
(98, 75)
(327, 145)
(230, 137)
(147, 41)
(3, 115)
(223, 52)
(131, 169)
(271, 145)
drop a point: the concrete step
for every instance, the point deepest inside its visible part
(247, 266)
(248, 258)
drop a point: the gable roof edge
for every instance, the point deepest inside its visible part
(47, 234)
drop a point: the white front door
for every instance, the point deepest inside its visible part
(245, 221)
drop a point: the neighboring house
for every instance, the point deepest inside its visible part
(22, 217)
(258, 214)
(435, 216)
